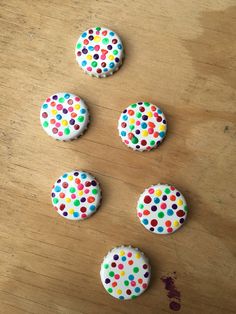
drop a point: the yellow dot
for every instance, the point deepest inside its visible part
(122, 273)
(54, 112)
(162, 127)
(97, 39)
(70, 178)
(68, 200)
(89, 57)
(64, 122)
(158, 192)
(111, 57)
(71, 211)
(77, 106)
(80, 193)
(175, 223)
(131, 121)
(144, 133)
(138, 255)
(149, 114)
(119, 291)
(122, 253)
(180, 202)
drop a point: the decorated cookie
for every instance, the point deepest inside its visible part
(76, 195)
(142, 126)
(125, 272)
(162, 209)
(64, 116)
(99, 52)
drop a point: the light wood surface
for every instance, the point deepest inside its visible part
(179, 55)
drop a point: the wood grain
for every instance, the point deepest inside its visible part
(179, 55)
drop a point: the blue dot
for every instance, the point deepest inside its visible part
(67, 96)
(159, 111)
(76, 214)
(57, 188)
(160, 229)
(84, 63)
(131, 277)
(84, 34)
(145, 221)
(105, 69)
(162, 134)
(144, 125)
(119, 46)
(90, 48)
(123, 258)
(65, 175)
(125, 117)
(123, 133)
(83, 111)
(137, 289)
(59, 117)
(45, 106)
(83, 176)
(112, 33)
(121, 297)
(92, 207)
(170, 212)
(156, 200)
(111, 65)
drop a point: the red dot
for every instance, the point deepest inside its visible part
(113, 264)
(168, 223)
(99, 71)
(128, 291)
(65, 185)
(87, 183)
(83, 209)
(62, 206)
(140, 280)
(143, 142)
(159, 119)
(153, 108)
(172, 198)
(123, 124)
(180, 213)
(131, 112)
(169, 230)
(144, 286)
(62, 195)
(130, 262)
(154, 222)
(147, 199)
(163, 205)
(146, 212)
(114, 284)
(141, 109)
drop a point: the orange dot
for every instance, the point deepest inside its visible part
(91, 199)
(130, 262)
(62, 195)
(172, 198)
(114, 284)
(131, 112)
(155, 134)
(53, 104)
(52, 121)
(151, 124)
(146, 212)
(74, 115)
(168, 223)
(140, 280)
(77, 180)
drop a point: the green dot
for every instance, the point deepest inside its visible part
(133, 105)
(55, 200)
(126, 282)
(115, 52)
(45, 124)
(76, 202)
(105, 41)
(135, 270)
(94, 64)
(95, 191)
(138, 114)
(109, 290)
(167, 191)
(67, 131)
(134, 140)
(160, 214)
(131, 127)
(141, 206)
(152, 143)
(79, 45)
(61, 100)
(106, 266)
(72, 190)
(80, 118)
(186, 208)
(111, 273)
(98, 28)
(147, 104)
(133, 297)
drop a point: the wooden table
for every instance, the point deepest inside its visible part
(179, 55)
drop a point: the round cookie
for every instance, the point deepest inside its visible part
(99, 52)
(64, 116)
(162, 209)
(76, 195)
(142, 126)
(125, 272)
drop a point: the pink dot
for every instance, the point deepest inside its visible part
(133, 283)
(60, 133)
(151, 191)
(138, 122)
(97, 32)
(70, 101)
(80, 186)
(117, 276)
(70, 109)
(77, 98)
(103, 57)
(86, 191)
(58, 124)
(144, 286)
(120, 266)
(163, 205)
(83, 215)
(129, 254)
(150, 130)
(140, 214)
(97, 47)
(48, 99)
(89, 69)
(126, 142)
(73, 196)
(155, 114)
(59, 107)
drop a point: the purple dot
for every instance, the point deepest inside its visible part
(54, 97)
(85, 51)
(174, 206)
(107, 280)
(109, 47)
(137, 131)
(137, 146)
(83, 199)
(174, 306)
(153, 208)
(140, 103)
(151, 229)
(116, 257)
(177, 194)
(72, 121)
(164, 121)
(94, 183)
(181, 220)
(96, 56)
(164, 197)
(117, 59)
(53, 194)
(125, 111)
(76, 173)
(144, 117)
(146, 274)
(65, 214)
(90, 37)
(65, 110)
(59, 181)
